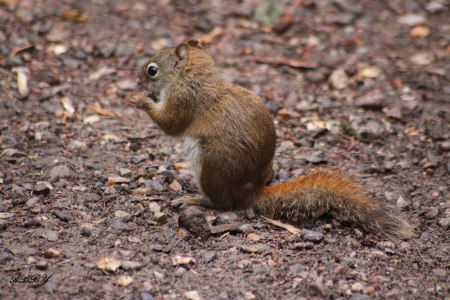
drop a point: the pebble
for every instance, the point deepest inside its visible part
(339, 79)
(254, 237)
(192, 295)
(180, 271)
(445, 146)
(154, 185)
(395, 112)
(357, 287)
(120, 214)
(52, 253)
(85, 232)
(49, 235)
(5, 257)
(411, 19)
(62, 171)
(256, 248)
(193, 219)
(175, 186)
(312, 236)
(372, 130)
(307, 245)
(119, 225)
(246, 229)
(402, 203)
(207, 257)
(30, 202)
(372, 99)
(147, 296)
(42, 264)
(88, 197)
(226, 218)
(439, 272)
(314, 159)
(444, 223)
(49, 287)
(131, 265)
(42, 187)
(136, 159)
(124, 172)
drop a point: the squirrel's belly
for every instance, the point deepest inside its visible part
(192, 152)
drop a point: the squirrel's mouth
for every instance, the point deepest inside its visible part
(153, 97)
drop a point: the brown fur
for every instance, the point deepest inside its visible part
(234, 140)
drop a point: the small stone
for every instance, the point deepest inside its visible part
(52, 253)
(49, 235)
(124, 172)
(80, 145)
(184, 234)
(175, 186)
(395, 112)
(444, 223)
(357, 287)
(108, 264)
(180, 271)
(254, 237)
(372, 99)
(208, 257)
(440, 272)
(136, 159)
(411, 19)
(353, 243)
(422, 59)
(256, 248)
(403, 165)
(402, 203)
(154, 207)
(242, 264)
(312, 236)
(154, 185)
(226, 218)
(61, 215)
(192, 295)
(43, 187)
(88, 197)
(42, 163)
(445, 146)
(124, 280)
(246, 229)
(146, 295)
(61, 171)
(307, 245)
(119, 225)
(418, 32)
(431, 214)
(5, 257)
(369, 290)
(370, 72)
(42, 265)
(30, 260)
(388, 166)
(118, 179)
(314, 159)
(339, 79)
(49, 287)
(193, 219)
(30, 202)
(131, 265)
(120, 214)
(85, 232)
(372, 130)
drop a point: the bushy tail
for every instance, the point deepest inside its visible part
(324, 190)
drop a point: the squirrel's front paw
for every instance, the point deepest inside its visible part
(205, 202)
(141, 102)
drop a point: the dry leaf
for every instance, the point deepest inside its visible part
(175, 186)
(100, 111)
(420, 31)
(74, 15)
(411, 131)
(208, 39)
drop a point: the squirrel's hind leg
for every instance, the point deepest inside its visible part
(191, 201)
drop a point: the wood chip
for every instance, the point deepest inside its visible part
(288, 227)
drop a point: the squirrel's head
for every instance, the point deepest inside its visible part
(166, 67)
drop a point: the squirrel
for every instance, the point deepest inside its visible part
(231, 140)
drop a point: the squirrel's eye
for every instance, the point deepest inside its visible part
(152, 70)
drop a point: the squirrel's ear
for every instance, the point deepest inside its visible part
(194, 44)
(182, 51)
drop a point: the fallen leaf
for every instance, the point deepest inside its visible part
(420, 31)
(100, 111)
(74, 15)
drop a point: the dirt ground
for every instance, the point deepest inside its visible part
(86, 180)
